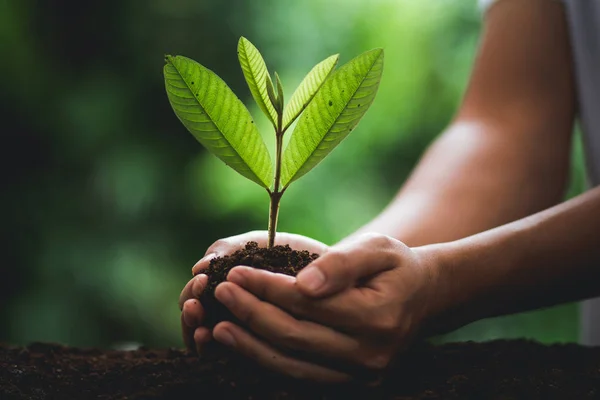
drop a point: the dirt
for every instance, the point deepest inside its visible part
(500, 370)
(495, 370)
(281, 259)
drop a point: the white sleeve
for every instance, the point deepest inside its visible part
(484, 5)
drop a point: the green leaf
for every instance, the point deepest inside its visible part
(271, 95)
(217, 118)
(256, 74)
(307, 89)
(335, 110)
(279, 94)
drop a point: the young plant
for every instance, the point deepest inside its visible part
(329, 103)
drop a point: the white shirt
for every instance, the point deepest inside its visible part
(584, 26)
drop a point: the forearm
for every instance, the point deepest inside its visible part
(506, 154)
(472, 179)
(545, 259)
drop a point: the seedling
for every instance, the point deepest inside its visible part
(329, 104)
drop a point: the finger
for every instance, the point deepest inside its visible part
(233, 336)
(193, 313)
(188, 335)
(231, 244)
(193, 289)
(203, 263)
(285, 331)
(191, 317)
(202, 336)
(345, 264)
(348, 311)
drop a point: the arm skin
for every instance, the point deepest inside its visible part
(506, 154)
(545, 259)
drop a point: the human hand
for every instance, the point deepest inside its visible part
(345, 316)
(195, 335)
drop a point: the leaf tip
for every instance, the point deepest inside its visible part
(271, 91)
(375, 53)
(241, 42)
(279, 92)
(168, 58)
(379, 51)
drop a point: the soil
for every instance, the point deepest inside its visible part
(280, 259)
(499, 370)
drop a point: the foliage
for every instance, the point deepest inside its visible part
(257, 75)
(217, 118)
(333, 113)
(219, 121)
(307, 89)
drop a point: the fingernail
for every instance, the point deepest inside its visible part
(225, 296)
(225, 337)
(189, 319)
(312, 278)
(198, 285)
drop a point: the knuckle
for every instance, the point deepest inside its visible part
(247, 315)
(297, 307)
(261, 291)
(392, 256)
(259, 283)
(339, 255)
(377, 239)
(293, 338)
(217, 245)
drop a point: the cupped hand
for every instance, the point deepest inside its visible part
(231, 244)
(195, 335)
(344, 317)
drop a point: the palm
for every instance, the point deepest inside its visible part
(231, 244)
(296, 242)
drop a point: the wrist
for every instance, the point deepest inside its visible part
(447, 290)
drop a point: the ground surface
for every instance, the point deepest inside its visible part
(494, 370)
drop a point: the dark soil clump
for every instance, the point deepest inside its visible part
(280, 259)
(499, 370)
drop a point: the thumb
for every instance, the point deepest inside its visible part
(345, 264)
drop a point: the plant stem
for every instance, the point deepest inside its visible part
(276, 194)
(273, 213)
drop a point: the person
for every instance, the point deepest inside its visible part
(478, 230)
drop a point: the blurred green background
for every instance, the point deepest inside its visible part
(107, 201)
